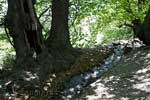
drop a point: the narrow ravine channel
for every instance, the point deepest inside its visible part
(79, 82)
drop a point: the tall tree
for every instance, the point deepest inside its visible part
(24, 27)
(59, 33)
(58, 41)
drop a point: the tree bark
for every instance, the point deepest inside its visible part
(24, 27)
(144, 30)
(59, 33)
(58, 42)
(15, 25)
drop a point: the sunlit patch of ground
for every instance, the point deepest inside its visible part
(129, 80)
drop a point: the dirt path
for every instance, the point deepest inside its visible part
(128, 80)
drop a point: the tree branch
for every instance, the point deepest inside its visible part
(8, 36)
(43, 12)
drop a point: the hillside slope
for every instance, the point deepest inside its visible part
(128, 80)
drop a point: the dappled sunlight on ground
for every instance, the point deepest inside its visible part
(102, 73)
(100, 91)
(143, 78)
(128, 80)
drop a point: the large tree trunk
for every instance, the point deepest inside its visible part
(24, 27)
(145, 29)
(15, 24)
(59, 33)
(58, 41)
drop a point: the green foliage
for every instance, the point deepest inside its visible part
(3, 36)
(117, 34)
(90, 18)
(9, 59)
(44, 13)
(97, 15)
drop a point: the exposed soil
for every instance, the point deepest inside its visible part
(128, 80)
